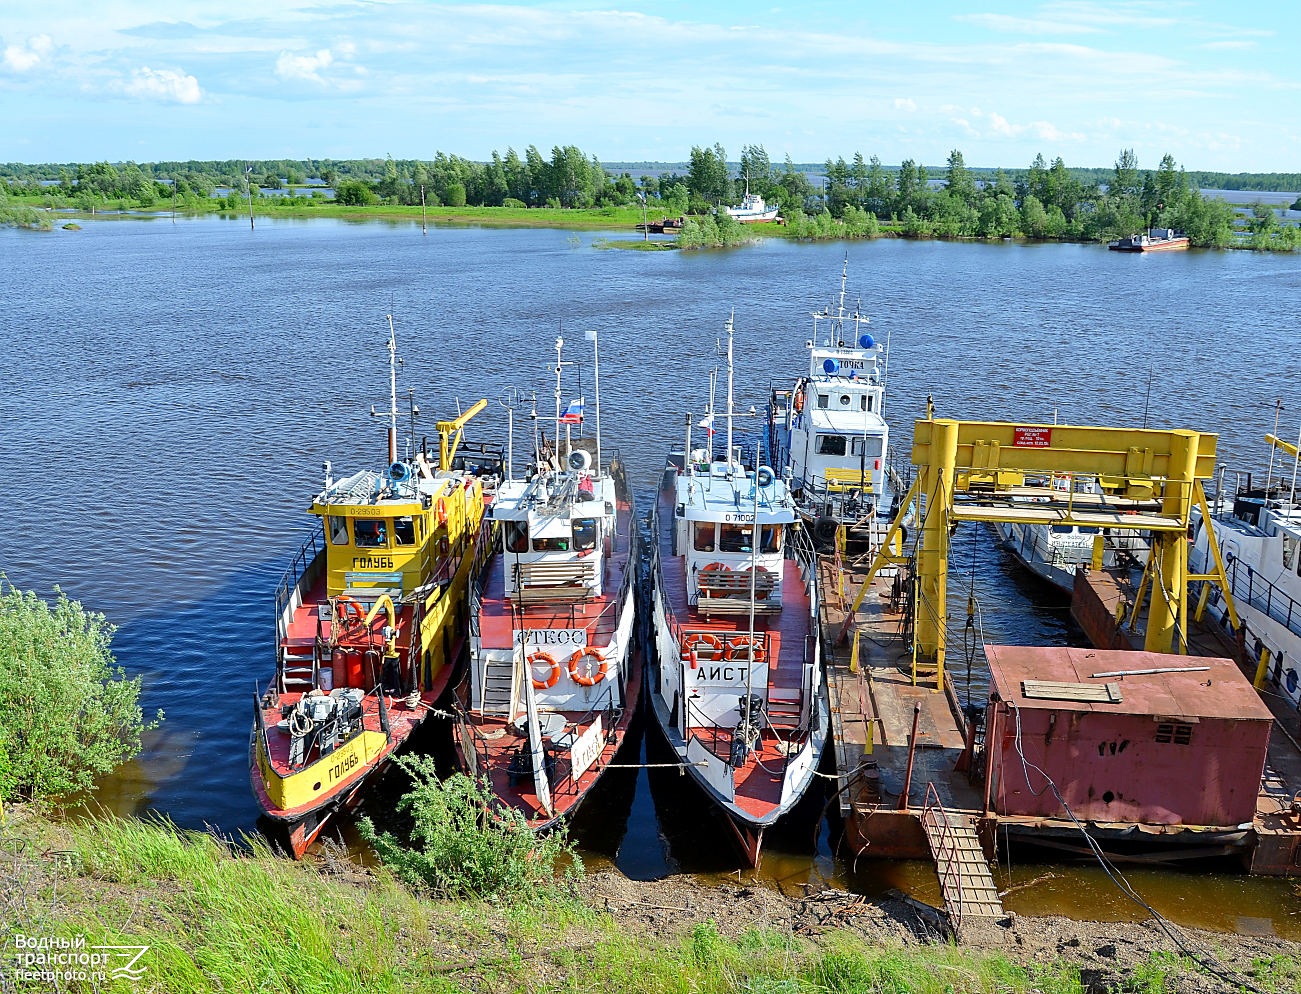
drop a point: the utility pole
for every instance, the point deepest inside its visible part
(248, 189)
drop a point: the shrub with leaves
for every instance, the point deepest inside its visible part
(464, 844)
(70, 714)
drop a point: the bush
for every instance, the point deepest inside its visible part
(354, 193)
(512, 202)
(70, 713)
(464, 844)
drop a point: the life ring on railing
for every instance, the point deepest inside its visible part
(441, 511)
(553, 677)
(763, 582)
(799, 402)
(764, 476)
(713, 642)
(588, 679)
(346, 607)
(751, 647)
(719, 568)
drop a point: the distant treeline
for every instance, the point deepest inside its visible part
(1044, 200)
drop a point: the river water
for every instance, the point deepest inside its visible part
(170, 391)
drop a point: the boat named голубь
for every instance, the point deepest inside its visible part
(369, 626)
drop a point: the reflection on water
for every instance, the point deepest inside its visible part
(170, 392)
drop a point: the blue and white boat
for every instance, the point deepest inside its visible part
(830, 432)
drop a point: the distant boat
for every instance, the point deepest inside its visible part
(752, 209)
(1155, 240)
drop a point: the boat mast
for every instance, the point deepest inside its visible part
(393, 392)
(729, 389)
(596, 375)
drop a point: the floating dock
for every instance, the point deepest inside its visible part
(922, 777)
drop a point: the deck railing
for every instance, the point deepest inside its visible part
(1249, 587)
(945, 850)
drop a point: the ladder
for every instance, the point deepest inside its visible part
(498, 686)
(296, 666)
(965, 881)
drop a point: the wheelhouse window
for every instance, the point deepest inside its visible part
(404, 531)
(844, 400)
(517, 536)
(338, 530)
(703, 539)
(553, 544)
(831, 445)
(824, 401)
(870, 447)
(585, 533)
(771, 538)
(369, 534)
(735, 538)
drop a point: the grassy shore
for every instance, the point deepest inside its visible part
(222, 918)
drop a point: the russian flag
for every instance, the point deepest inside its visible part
(573, 413)
(707, 422)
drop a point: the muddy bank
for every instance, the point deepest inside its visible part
(1108, 954)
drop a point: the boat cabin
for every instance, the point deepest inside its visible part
(732, 546)
(383, 529)
(838, 438)
(556, 534)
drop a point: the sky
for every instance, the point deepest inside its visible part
(1216, 85)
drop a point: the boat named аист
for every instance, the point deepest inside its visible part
(737, 685)
(369, 627)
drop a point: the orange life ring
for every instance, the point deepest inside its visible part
(714, 643)
(553, 677)
(763, 583)
(714, 568)
(799, 402)
(750, 647)
(584, 680)
(345, 606)
(440, 509)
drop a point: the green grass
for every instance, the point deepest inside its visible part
(219, 917)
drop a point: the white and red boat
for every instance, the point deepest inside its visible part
(554, 673)
(1153, 240)
(736, 683)
(370, 627)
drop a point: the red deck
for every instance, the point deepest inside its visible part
(303, 629)
(497, 743)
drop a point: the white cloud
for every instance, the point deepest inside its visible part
(22, 58)
(904, 103)
(308, 67)
(163, 84)
(1024, 25)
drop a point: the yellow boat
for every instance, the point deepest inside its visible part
(370, 626)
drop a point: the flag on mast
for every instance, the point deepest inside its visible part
(707, 422)
(573, 413)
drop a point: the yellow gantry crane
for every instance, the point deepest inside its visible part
(1142, 480)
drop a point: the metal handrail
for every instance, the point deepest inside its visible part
(945, 852)
(1276, 603)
